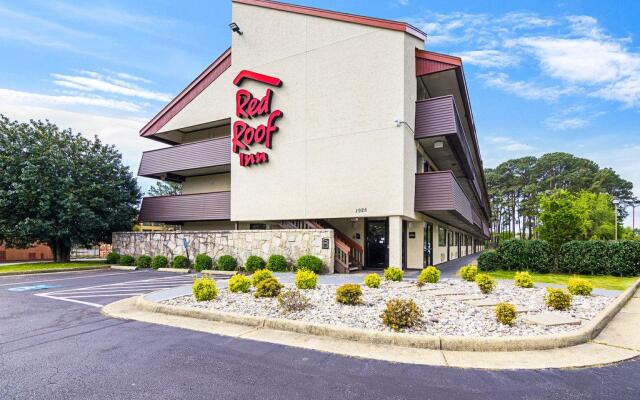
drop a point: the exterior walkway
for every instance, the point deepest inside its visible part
(450, 268)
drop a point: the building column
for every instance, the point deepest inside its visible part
(395, 241)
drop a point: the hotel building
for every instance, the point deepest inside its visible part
(320, 119)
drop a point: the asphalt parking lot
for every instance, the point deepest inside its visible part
(55, 344)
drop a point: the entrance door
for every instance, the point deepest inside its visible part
(428, 244)
(376, 239)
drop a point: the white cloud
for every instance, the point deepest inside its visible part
(524, 89)
(508, 144)
(488, 58)
(45, 100)
(582, 60)
(90, 81)
(117, 130)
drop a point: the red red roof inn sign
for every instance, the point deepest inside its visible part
(248, 107)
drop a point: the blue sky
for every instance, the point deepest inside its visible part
(543, 75)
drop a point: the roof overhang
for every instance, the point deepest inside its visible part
(427, 63)
(338, 16)
(213, 71)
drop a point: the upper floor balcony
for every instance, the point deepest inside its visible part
(439, 195)
(442, 136)
(212, 206)
(178, 162)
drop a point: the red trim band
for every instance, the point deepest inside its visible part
(246, 74)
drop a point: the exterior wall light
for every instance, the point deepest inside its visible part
(235, 28)
(438, 144)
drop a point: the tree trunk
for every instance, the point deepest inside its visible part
(61, 251)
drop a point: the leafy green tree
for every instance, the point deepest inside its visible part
(562, 219)
(167, 188)
(61, 189)
(515, 187)
(600, 215)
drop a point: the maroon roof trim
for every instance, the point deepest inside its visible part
(213, 71)
(338, 16)
(246, 74)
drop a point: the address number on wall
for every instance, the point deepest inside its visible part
(361, 210)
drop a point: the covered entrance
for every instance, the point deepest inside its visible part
(376, 243)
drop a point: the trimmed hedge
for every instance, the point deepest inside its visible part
(203, 262)
(159, 262)
(600, 257)
(143, 262)
(590, 257)
(528, 255)
(489, 261)
(311, 263)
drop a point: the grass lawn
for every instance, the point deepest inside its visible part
(47, 266)
(598, 281)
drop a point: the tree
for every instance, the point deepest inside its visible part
(515, 187)
(167, 188)
(61, 189)
(561, 219)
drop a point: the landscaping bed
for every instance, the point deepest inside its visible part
(442, 314)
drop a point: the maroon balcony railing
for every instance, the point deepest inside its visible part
(188, 207)
(438, 117)
(184, 159)
(440, 192)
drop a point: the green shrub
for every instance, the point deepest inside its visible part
(579, 286)
(600, 257)
(399, 314)
(506, 313)
(239, 283)
(113, 258)
(489, 261)
(159, 262)
(557, 299)
(277, 263)
(127, 260)
(306, 279)
(393, 274)
(429, 275)
(261, 275)
(203, 262)
(292, 300)
(180, 262)
(349, 293)
(530, 255)
(523, 279)
(254, 263)
(143, 262)
(268, 288)
(372, 280)
(227, 263)
(485, 283)
(311, 263)
(204, 289)
(469, 272)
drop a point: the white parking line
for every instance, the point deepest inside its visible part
(64, 279)
(119, 289)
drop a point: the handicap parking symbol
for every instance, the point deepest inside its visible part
(30, 288)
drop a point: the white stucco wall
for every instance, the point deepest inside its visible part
(338, 148)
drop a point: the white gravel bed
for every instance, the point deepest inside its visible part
(442, 315)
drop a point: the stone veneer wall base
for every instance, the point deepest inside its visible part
(291, 243)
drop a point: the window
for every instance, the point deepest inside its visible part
(442, 236)
(257, 226)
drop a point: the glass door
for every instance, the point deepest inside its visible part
(376, 239)
(428, 244)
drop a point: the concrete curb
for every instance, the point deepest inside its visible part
(175, 270)
(450, 343)
(124, 268)
(216, 272)
(50, 271)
